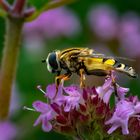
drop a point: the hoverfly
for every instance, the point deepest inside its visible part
(83, 61)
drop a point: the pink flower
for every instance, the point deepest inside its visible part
(53, 23)
(129, 35)
(71, 105)
(88, 111)
(73, 98)
(107, 89)
(103, 21)
(7, 131)
(47, 114)
(123, 112)
(53, 96)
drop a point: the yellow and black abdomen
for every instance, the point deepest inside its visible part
(102, 67)
(125, 69)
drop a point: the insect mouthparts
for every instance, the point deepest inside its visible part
(43, 61)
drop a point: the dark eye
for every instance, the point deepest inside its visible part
(52, 61)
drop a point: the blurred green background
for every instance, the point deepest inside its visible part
(31, 72)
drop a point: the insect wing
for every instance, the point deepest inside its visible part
(96, 55)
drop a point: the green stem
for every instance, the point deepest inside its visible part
(2, 13)
(9, 60)
(48, 6)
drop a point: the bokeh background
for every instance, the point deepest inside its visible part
(111, 27)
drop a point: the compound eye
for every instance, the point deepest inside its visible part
(52, 62)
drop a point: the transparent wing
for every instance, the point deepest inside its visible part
(98, 55)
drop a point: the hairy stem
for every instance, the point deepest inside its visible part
(8, 65)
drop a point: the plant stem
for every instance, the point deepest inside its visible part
(9, 60)
(48, 6)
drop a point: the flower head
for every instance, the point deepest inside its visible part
(73, 98)
(53, 96)
(46, 116)
(123, 112)
(86, 112)
(71, 107)
(108, 88)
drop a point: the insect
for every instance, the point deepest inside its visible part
(83, 61)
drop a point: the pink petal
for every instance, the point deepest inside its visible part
(72, 90)
(38, 121)
(46, 125)
(41, 107)
(51, 91)
(113, 128)
(107, 96)
(125, 130)
(107, 83)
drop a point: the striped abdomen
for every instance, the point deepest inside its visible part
(99, 66)
(125, 68)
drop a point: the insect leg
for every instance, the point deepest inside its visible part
(82, 78)
(114, 85)
(67, 76)
(57, 82)
(59, 79)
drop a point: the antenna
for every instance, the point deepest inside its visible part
(43, 61)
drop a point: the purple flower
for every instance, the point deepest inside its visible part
(47, 114)
(121, 91)
(103, 21)
(130, 33)
(53, 23)
(107, 89)
(7, 131)
(123, 112)
(69, 108)
(73, 97)
(53, 96)
(73, 110)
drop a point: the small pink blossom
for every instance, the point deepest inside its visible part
(130, 33)
(87, 109)
(123, 112)
(53, 23)
(46, 116)
(73, 97)
(103, 21)
(70, 104)
(53, 96)
(107, 89)
(7, 131)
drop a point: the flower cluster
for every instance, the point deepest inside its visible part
(107, 25)
(56, 23)
(86, 113)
